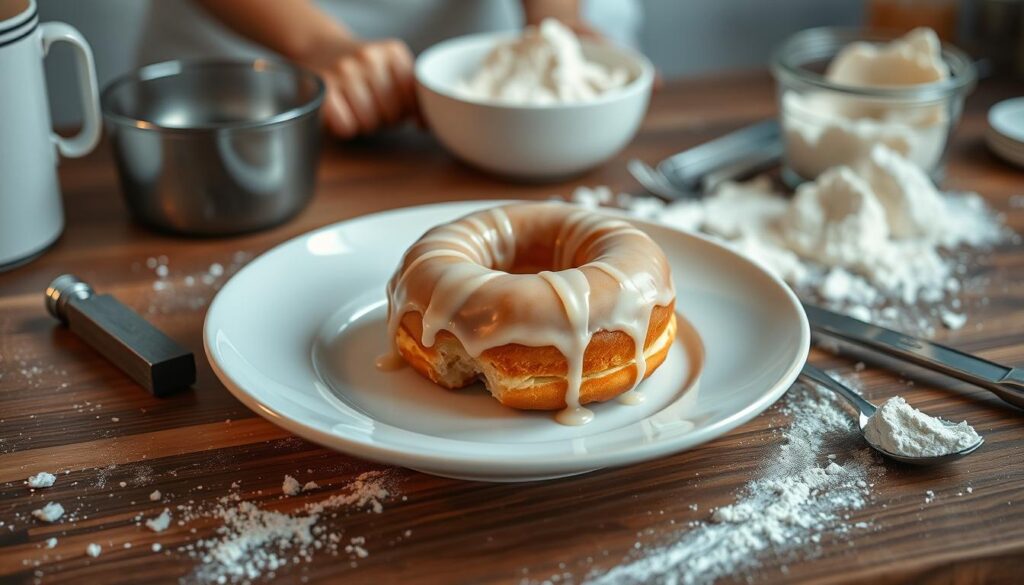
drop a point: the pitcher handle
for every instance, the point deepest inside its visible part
(82, 143)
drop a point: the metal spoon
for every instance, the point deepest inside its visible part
(656, 183)
(866, 409)
(700, 169)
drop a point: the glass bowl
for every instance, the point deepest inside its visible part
(825, 124)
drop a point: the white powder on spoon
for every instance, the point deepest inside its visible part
(901, 429)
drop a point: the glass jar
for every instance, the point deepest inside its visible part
(825, 124)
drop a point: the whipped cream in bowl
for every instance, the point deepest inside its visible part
(539, 104)
(545, 65)
(844, 91)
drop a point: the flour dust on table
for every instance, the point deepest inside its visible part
(251, 540)
(801, 498)
(875, 240)
(43, 479)
(174, 290)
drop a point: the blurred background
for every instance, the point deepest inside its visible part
(684, 38)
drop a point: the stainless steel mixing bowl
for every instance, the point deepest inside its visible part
(215, 147)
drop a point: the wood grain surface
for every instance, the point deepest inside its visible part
(66, 410)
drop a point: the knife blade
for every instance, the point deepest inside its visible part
(1005, 382)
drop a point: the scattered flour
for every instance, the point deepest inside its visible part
(819, 473)
(161, 522)
(51, 512)
(51, 542)
(291, 486)
(155, 496)
(546, 65)
(875, 240)
(41, 480)
(899, 428)
(93, 550)
(952, 320)
(253, 542)
(174, 292)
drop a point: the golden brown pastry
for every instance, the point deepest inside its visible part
(553, 306)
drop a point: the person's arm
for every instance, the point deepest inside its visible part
(567, 11)
(369, 83)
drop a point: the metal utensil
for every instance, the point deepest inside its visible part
(702, 168)
(656, 183)
(142, 351)
(215, 147)
(865, 409)
(742, 151)
(1005, 382)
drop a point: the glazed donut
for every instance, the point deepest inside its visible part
(552, 305)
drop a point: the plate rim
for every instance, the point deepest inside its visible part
(431, 460)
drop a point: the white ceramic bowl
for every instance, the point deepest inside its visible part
(529, 142)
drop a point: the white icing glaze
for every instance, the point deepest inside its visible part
(586, 273)
(573, 288)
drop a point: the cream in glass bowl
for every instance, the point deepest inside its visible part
(843, 91)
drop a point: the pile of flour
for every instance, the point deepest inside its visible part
(820, 472)
(873, 239)
(546, 65)
(824, 128)
(901, 429)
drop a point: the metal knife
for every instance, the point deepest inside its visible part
(1005, 382)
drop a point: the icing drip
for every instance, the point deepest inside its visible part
(454, 287)
(573, 288)
(582, 273)
(392, 360)
(632, 314)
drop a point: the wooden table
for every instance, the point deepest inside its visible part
(64, 409)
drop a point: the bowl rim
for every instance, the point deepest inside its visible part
(964, 74)
(178, 66)
(641, 83)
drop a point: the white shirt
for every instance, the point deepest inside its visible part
(182, 29)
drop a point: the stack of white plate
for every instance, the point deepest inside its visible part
(1005, 134)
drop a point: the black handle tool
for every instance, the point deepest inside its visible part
(142, 351)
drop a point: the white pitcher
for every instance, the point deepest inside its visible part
(31, 215)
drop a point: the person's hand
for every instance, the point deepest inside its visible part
(369, 83)
(369, 86)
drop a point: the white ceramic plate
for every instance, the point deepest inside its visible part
(295, 333)
(1007, 118)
